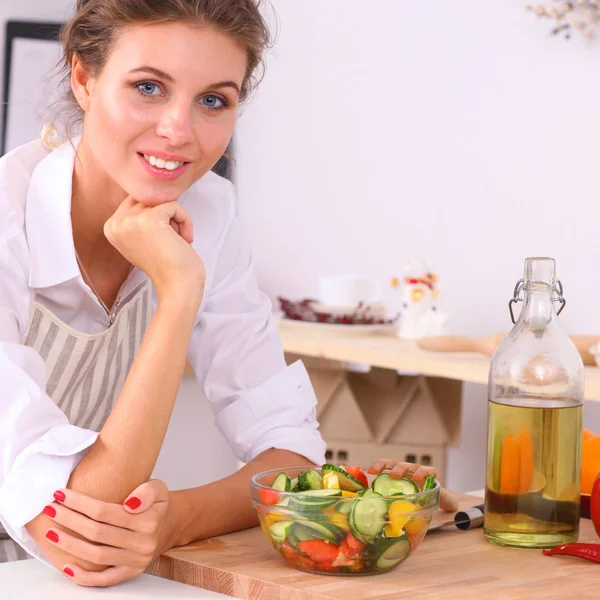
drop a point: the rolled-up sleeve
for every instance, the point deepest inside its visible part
(38, 447)
(258, 401)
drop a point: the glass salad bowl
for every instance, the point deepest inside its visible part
(341, 520)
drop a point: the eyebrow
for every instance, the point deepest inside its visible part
(167, 77)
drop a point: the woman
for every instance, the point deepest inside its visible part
(119, 255)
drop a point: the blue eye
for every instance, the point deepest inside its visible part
(214, 102)
(148, 88)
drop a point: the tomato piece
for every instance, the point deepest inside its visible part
(288, 549)
(595, 505)
(269, 497)
(319, 550)
(326, 566)
(415, 539)
(357, 473)
(356, 546)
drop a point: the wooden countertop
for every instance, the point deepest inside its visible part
(450, 564)
(390, 352)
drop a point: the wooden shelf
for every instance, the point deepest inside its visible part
(391, 352)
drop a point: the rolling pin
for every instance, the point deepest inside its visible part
(487, 345)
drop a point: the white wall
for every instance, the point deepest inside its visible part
(459, 131)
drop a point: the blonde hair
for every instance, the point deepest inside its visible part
(96, 24)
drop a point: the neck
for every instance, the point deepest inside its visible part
(95, 198)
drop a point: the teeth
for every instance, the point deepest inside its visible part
(169, 165)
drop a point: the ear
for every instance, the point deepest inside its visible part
(81, 84)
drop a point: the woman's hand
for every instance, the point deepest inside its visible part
(398, 468)
(126, 538)
(158, 240)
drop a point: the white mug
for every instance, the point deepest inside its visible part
(347, 290)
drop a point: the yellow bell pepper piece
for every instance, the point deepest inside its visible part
(416, 525)
(399, 515)
(330, 481)
(346, 494)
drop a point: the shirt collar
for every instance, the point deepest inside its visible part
(48, 219)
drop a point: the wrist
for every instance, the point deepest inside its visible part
(179, 300)
(179, 519)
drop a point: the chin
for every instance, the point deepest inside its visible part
(155, 195)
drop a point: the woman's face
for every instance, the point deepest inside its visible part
(162, 111)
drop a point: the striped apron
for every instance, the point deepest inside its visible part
(85, 372)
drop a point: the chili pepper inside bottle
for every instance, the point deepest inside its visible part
(535, 411)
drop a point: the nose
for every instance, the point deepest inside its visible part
(175, 125)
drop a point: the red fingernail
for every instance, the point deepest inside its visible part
(68, 572)
(133, 503)
(52, 536)
(50, 511)
(59, 496)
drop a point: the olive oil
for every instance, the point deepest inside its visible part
(535, 408)
(532, 495)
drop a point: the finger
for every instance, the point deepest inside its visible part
(401, 469)
(126, 206)
(175, 226)
(101, 533)
(380, 465)
(97, 554)
(175, 212)
(104, 512)
(110, 576)
(423, 473)
(146, 495)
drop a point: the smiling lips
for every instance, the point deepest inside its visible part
(165, 167)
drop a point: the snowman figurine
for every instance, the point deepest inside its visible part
(420, 315)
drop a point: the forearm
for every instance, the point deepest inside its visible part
(127, 448)
(225, 505)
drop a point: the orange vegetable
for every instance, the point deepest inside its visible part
(510, 466)
(525, 460)
(590, 463)
(319, 550)
(588, 435)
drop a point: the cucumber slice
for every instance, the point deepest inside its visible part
(324, 531)
(367, 517)
(292, 540)
(280, 530)
(429, 484)
(282, 483)
(317, 494)
(314, 500)
(310, 480)
(345, 506)
(283, 503)
(294, 482)
(347, 482)
(386, 485)
(392, 552)
(302, 533)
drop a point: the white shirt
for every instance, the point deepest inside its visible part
(235, 348)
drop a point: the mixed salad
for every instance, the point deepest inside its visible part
(330, 520)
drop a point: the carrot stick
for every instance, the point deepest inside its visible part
(526, 460)
(509, 466)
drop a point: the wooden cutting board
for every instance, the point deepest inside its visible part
(450, 564)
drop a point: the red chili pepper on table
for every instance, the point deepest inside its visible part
(579, 550)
